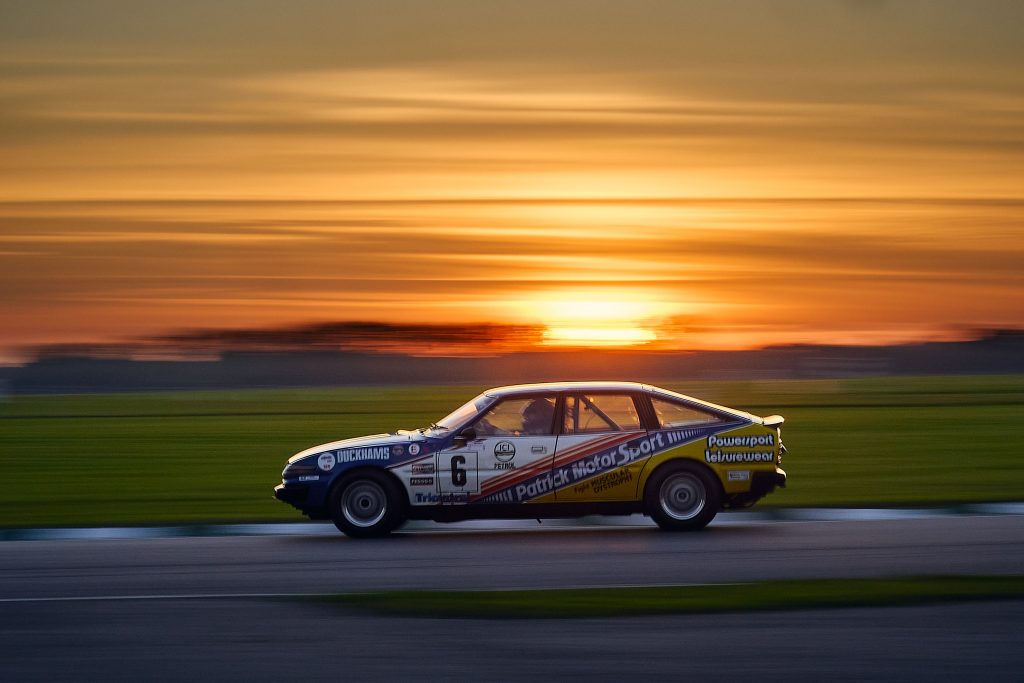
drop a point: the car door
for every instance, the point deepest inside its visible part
(601, 447)
(508, 456)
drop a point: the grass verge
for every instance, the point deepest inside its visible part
(214, 457)
(704, 599)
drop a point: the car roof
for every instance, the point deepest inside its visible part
(549, 387)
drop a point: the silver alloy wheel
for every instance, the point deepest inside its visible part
(364, 503)
(682, 496)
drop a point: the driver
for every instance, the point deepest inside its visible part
(537, 416)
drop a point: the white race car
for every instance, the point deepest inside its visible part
(546, 450)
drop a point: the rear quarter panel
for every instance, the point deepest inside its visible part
(733, 454)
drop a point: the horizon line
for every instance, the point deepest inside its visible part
(715, 199)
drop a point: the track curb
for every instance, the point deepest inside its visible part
(326, 529)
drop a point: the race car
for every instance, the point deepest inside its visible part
(546, 450)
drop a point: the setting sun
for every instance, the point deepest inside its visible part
(599, 316)
(597, 336)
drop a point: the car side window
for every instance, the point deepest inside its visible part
(585, 413)
(671, 414)
(533, 416)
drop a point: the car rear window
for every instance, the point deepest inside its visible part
(672, 414)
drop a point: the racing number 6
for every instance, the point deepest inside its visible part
(458, 472)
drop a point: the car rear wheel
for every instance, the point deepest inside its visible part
(682, 497)
(367, 505)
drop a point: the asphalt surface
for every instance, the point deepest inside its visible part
(480, 559)
(160, 609)
(248, 640)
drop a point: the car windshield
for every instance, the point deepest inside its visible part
(461, 414)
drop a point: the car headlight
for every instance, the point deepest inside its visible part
(296, 469)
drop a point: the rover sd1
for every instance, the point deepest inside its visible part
(546, 450)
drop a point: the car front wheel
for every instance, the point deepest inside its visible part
(367, 506)
(681, 497)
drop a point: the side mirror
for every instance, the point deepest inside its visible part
(464, 437)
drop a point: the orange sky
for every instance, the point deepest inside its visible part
(694, 175)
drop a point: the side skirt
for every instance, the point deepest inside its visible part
(458, 513)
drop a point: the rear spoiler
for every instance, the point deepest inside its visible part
(772, 420)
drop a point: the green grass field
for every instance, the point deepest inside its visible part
(215, 456)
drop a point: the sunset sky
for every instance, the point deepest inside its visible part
(680, 174)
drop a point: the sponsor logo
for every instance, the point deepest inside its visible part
(611, 480)
(423, 468)
(739, 475)
(358, 454)
(715, 455)
(396, 450)
(604, 482)
(623, 455)
(504, 451)
(421, 481)
(326, 461)
(442, 498)
(414, 449)
(719, 456)
(542, 485)
(310, 477)
(504, 465)
(741, 441)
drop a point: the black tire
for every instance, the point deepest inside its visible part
(367, 505)
(681, 496)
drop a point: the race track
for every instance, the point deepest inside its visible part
(74, 610)
(485, 559)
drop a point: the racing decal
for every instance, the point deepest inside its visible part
(423, 468)
(326, 461)
(414, 462)
(459, 472)
(544, 465)
(718, 456)
(739, 475)
(394, 456)
(442, 498)
(604, 482)
(744, 441)
(504, 451)
(360, 454)
(586, 464)
(723, 458)
(592, 459)
(421, 481)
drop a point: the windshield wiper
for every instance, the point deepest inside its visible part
(434, 425)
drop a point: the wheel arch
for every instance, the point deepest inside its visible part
(354, 473)
(649, 473)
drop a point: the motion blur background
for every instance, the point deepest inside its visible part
(232, 230)
(788, 207)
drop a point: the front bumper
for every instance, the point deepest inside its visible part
(293, 494)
